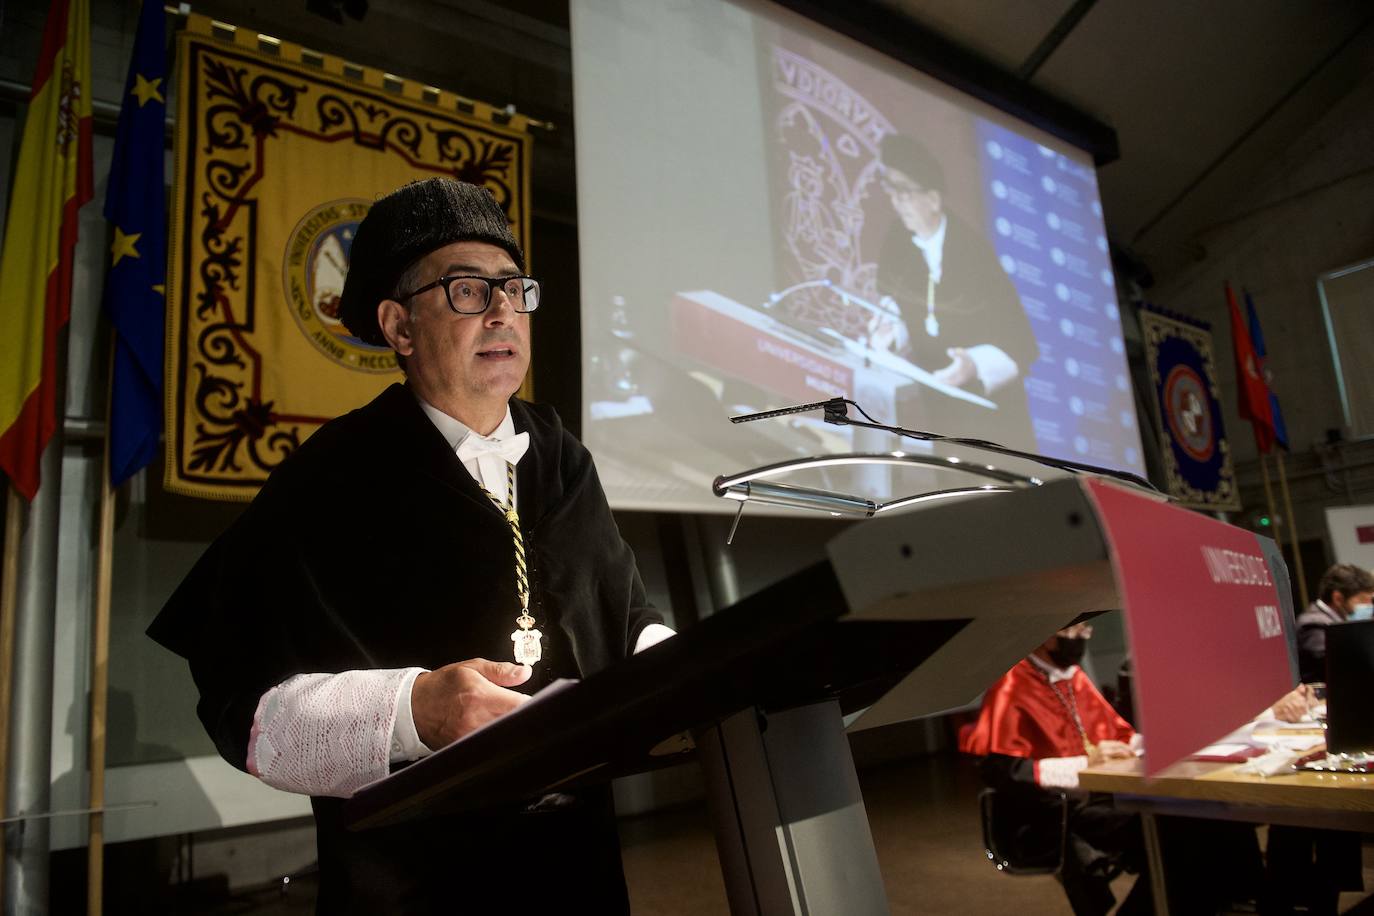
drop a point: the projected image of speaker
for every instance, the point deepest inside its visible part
(781, 215)
(963, 317)
(1349, 686)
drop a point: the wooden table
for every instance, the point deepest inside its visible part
(1337, 801)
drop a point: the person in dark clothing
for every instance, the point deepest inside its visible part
(1346, 592)
(1308, 868)
(354, 618)
(955, 310)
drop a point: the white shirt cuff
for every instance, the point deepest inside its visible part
(994, 367)
(405, 740)
(901, 336)
(1060, 772)
(652, 635)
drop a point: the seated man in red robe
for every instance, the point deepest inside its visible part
(1041, 723)
(1044, 721)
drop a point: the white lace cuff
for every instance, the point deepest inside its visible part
(994, 367)
(326, 734)
(405, 739)
(1059, 772)
(652, 635)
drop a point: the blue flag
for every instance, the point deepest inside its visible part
(1257, 340)
(135, 205)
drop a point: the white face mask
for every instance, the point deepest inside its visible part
(1361, 611)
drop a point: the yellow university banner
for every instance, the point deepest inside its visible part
(279, 154)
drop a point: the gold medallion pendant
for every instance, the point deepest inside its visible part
(527, 640)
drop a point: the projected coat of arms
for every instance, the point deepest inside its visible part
(279, 156)
(1197, 458)
(830, 134)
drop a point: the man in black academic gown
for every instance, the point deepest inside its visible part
(364, 609)
(956, 312)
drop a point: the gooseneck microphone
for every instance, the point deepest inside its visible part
(831, 405)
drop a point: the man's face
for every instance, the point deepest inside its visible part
(476, 361)
(918, 208)
(1077, 631)
(1343, 603)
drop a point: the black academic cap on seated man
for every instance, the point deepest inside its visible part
(403, 227)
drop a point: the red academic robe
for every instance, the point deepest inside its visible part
(1022, 718)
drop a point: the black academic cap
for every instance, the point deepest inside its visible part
(403, 227)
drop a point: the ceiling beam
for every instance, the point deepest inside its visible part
(1054, 38)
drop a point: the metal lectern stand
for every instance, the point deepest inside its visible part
(789, 819)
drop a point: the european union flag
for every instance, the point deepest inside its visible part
(136, 206)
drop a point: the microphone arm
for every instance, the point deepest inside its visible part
(835, 406)
(837, 412)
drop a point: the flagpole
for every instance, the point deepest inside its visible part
(9, 584)
(100, 659)
(1269, 500)
(1292, 529)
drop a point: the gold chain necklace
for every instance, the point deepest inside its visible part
(1071, 707)
(526, 637)
(932, 323)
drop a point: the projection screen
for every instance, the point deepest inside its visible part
(770, 213)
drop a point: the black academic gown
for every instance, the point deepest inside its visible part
(975, 303)
(372, 547)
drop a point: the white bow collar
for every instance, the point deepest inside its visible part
(503, 443)
(474, 447)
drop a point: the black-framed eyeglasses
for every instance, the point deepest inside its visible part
(473, 295)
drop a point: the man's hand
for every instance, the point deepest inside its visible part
(1293, 706)
(1110, 750)
(960, 371)
(883, 334)
(887, 332)
(456, 699)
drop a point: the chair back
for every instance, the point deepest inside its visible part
(1021, 838)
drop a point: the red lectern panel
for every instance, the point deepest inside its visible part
(1208, 613)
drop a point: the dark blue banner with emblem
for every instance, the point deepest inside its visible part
(1198, 469)
(279, 154)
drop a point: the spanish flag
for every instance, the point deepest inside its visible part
(1252, 391)
(52, 179)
